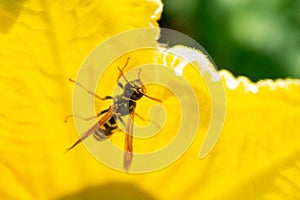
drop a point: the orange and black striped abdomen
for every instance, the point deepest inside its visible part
(107, 129)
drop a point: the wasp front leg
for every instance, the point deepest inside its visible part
(90, 92)
(121, 70)
(87, 118)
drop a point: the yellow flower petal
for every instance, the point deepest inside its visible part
(42, 45)
(257, 156)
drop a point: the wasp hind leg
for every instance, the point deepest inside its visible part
(92, 129)
(146, 120)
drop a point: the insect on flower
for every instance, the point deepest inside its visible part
(123, 105)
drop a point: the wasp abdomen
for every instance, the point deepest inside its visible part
(99, 135)
(106, 130)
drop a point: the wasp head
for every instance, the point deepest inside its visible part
(134, 90)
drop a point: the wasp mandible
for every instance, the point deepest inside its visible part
(123, 105)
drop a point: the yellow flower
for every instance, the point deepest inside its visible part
(43, 43)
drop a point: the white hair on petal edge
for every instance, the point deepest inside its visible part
(197, 57)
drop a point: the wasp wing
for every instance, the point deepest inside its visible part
(128, 142)
(101, 121)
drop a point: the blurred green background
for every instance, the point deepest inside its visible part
(256, 38)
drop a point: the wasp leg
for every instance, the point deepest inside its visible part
(121, 70)
(121, 120)
(88, 118)
(122, 73)
(146, 120)
(124, 77)
(90, 92)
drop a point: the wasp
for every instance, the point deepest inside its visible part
(123, 105)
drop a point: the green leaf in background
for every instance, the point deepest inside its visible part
(259, 39)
